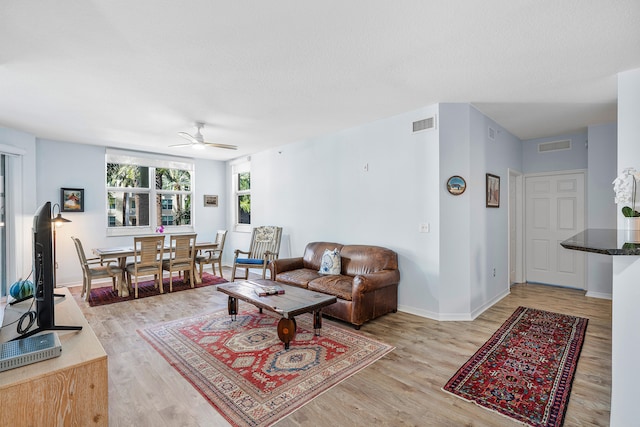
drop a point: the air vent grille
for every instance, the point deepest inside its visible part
(545, 147)
(424, 124)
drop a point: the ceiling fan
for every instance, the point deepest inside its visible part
(197, 140)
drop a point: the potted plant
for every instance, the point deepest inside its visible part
(625, 188)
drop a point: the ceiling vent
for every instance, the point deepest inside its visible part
(545, 147)
(424, 124)
(491, 133)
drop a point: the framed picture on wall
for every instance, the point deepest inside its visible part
(72, 199)
(456, 185)
(493, 191)
(210, 201)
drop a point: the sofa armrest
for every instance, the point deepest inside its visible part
(363, 283)
(278, 266)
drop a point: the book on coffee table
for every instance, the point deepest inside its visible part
(263, 291)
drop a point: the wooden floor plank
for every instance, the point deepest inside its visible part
(402, 388)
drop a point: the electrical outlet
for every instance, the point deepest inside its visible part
(423, 227)
(494, 272)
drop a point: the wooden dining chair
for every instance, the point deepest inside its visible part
(147, 259)
(181, 258)
(95, 268)
(212, 256)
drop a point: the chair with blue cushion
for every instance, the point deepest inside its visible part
(264, 247)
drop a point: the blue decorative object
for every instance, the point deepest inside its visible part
(249, 261)
(21, 289)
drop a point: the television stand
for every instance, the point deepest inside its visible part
(31, 296)
(74, 385)
(47, 328)
(50, 328)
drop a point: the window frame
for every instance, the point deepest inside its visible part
(238, 169)
(152, 162)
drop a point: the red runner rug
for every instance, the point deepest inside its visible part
(243, 370)
(106, 295)
(526, 368)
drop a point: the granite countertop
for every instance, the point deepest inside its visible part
(605, 241)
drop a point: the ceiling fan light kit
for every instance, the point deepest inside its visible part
(197, 141)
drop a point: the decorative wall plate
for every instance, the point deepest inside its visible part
(456, 185)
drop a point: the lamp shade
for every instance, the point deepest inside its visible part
(58, 220)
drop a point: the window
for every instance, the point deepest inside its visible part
(167, 204)
(143, 193)
(173, 188)
(242, 196)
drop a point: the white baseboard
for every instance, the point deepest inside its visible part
(452, 317)
(600, 295)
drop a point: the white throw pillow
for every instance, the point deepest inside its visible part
(331, 263)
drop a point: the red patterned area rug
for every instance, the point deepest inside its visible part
(526, 368)
(243, 370)
(106, 295)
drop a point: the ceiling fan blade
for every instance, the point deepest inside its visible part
(216, 145)
(188, 137)
(188, 144)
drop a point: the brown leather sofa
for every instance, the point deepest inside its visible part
(366, 288)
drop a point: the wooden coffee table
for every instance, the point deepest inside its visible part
(293, 302)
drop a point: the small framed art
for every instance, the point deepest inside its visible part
(72, 199)
(210, 201)
(493, 191)
(456, 185)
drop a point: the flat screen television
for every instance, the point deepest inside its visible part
(43, 273)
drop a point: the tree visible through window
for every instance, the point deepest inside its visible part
(244, 198)
(173, 188)
(130, 192)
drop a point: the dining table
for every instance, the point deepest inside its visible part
(121, 253)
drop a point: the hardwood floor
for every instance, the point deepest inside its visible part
(401, 389)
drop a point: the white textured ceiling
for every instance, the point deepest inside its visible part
(267, 73)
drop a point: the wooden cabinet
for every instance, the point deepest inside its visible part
(70, 390)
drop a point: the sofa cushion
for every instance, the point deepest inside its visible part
(366, 259)
(256, 261)
(313, 252)
(300, 277)
(338, 285)
(330, 262)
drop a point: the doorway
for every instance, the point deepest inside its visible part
(554, 211)
(516, 235)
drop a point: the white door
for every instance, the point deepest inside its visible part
(554, 211)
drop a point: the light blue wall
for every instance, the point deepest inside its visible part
(601, 208)
(490, 230)
(58, 166)
(575, 158)
(474, 238)
(455, 212)
(319, 190)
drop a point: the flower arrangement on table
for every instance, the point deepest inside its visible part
(160, 229)
(625, 188)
